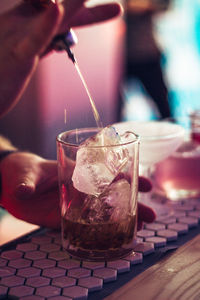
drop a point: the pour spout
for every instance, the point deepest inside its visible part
(65, 42)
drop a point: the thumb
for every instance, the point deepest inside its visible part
(25, 187)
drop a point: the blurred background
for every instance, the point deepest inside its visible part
(103, 55)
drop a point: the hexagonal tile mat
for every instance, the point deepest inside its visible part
(36, 268)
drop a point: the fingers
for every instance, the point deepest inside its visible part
(79, 15)
(86, 16)
(40, 180)
(145, 213)
(144, 185)
(24, 191)
(71, 8)
(25, 188)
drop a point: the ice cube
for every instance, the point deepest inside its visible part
(113, 205)
(96, 165)
(106, 136)
(118, 196)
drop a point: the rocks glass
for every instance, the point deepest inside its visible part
(98, 182)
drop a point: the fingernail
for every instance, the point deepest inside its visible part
(23, 191)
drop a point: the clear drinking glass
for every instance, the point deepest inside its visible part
(98, 181)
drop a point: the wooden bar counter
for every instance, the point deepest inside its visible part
(177, 277)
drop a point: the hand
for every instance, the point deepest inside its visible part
(145, 213)
(25, 34)
(30, 190)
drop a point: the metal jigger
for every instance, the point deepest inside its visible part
(65, 42)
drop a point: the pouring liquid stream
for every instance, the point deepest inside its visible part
(64, 42)
(94, 109)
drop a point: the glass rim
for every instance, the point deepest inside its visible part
(136, 139)
(166, 137)
(150, 138)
